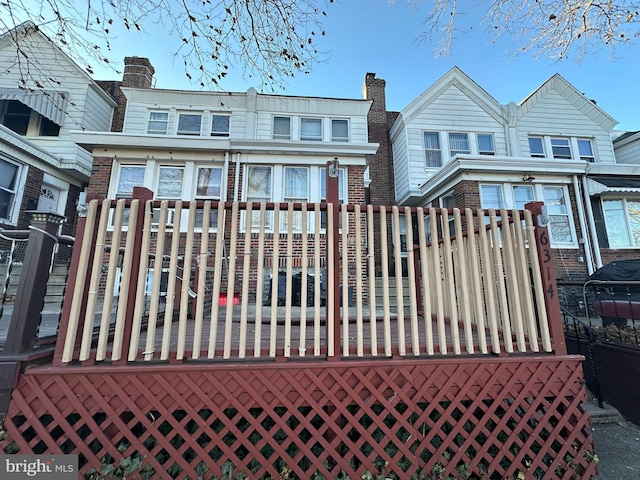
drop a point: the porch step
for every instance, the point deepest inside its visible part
(393, 292)
(607, 414)
(56, 284)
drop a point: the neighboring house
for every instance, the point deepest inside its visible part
(456, 146)
(43, 96)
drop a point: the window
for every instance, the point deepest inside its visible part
(130, 176)
(339, 130)
(458, 143)
(47, 128)
(8, 183)
(311, 129)
(491, 196)
(282, 128)
(259, 190)
(158, 122)
(296, 189)
(220, 125)
(170, 182)
(536, 146)
(485, 144)
(208, 187)
(560, 148)
(16, 117)
(585, 150)
(432, 149)
(522, 194)
(559, 225)
(622, 222)
(189, 123)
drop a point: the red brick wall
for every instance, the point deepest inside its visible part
(100, 175)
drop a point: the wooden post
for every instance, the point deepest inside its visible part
(26, 317)
(547, 270)
(82, 237)
(142, 194)
(333, 201)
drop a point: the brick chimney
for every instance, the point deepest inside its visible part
(379, 121)
(138, 73)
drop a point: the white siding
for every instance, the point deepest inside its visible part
(554, 115)
(97, 112)
(629, 153)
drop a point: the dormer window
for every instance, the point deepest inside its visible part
(219, 125)
(432, 149)
(189, 123)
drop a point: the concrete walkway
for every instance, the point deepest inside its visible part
(617, 443)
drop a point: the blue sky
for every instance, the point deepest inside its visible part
(372, 36)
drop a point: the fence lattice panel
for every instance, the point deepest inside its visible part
(494, 417)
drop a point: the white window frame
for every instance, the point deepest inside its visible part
(541, 140)
(587, 158)
(151, 120)
(281, 136)
(266, 197)
(15, 191)
(630, 242)
(453, 152)
(213, 220)
(189, 132)
(508, 199)
(557, 147)
(311, 138)
(162, 196)
(297, 216)
(339, 138)
(493, 144)
(220, 133)
(430, 152)
(117, 192)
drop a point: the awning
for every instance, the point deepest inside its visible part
(613, 184)
(52, 105)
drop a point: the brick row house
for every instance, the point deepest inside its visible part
(456, 146)
(44, 95)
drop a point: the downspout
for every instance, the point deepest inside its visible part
(592, 224)
(583, 226)
(236, 183)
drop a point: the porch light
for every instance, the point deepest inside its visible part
(45, 217)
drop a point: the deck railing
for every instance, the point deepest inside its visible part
(175, 281)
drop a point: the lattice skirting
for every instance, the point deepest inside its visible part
(488, 418)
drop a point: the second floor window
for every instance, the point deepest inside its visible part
(561, 148)
(219, 125)
(432, 149)
(158, 122)
(189, 123)
(339, 130)
(282, 128)
(311, 129)
(536, 147)
(585, 150)
(485, 144)
(458, 143)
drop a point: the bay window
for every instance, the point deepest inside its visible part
(555, 198)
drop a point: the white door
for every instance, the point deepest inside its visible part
(49, 199)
